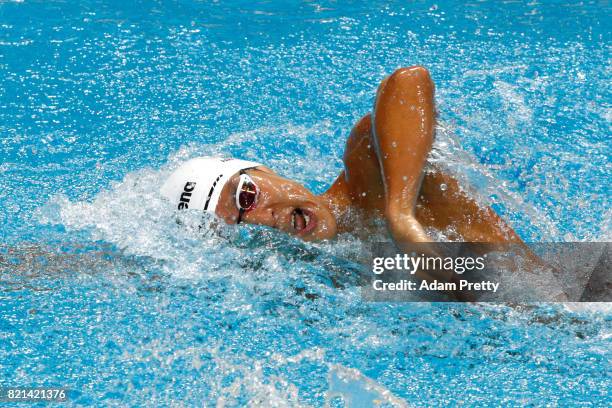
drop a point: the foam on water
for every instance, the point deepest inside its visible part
(132, 215)
(252, 275)
(104, 292)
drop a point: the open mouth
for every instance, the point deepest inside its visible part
(303, 220)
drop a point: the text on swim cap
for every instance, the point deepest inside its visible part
(186, 195)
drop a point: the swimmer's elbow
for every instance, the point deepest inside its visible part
(410, 76)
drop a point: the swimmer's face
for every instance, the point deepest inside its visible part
(283, 204)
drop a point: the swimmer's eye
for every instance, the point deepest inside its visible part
(247, 193)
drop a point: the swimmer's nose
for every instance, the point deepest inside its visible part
(263, 215)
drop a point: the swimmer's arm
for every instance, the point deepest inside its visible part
(404, 120)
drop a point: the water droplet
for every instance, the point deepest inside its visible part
(443, 187)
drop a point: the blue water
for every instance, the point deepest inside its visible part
(103, 293)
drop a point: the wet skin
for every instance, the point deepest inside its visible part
(383, 176)
(282, 204)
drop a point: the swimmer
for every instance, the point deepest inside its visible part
(383, 178)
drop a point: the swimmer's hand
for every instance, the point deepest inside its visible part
(405, 229)
(409, 235)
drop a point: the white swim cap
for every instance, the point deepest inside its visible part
(197, 184)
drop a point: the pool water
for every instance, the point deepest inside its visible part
(102, 292)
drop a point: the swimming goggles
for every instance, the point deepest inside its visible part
(247, 194)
